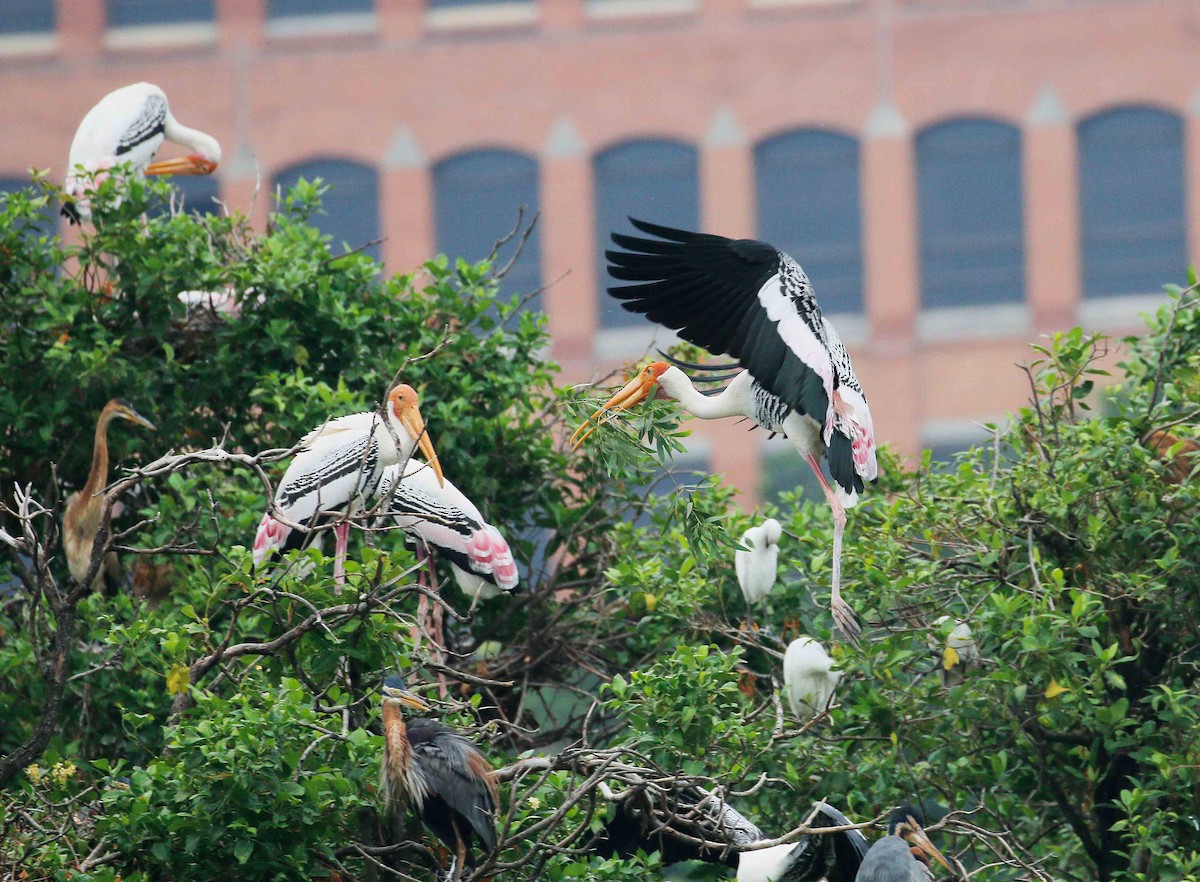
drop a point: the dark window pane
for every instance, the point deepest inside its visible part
(26, 16)
(969, 198)
(807, 189)
(650, 180)
(123, 13)
(195, 192)
(1131, 201)
(784, 471)
(281, 8)
(439, 4)
(476, 199)
(350, 207)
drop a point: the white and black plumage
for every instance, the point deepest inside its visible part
(757, 562)
(337, 468)
(808, 677)
(440, 516)
(128, 125)
(748, 300)
(437, 772)
(903, 855)
(835, 857)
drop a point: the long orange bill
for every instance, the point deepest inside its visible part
(632, 393)
(187, 165)
(918, 839)
(410, 418)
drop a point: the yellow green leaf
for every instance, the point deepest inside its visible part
(177, 679)
(1054, 689)
(949, 657)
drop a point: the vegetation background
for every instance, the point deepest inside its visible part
(215, 717)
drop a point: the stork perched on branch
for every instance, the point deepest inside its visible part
(128, 125)
(750, 301)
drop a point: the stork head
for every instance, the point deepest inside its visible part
(905, 822)
(119, 408)
(395, 692)
(402, 408)
(640, 387)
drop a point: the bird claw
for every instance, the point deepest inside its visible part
(845, 622)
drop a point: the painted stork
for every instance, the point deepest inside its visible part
(757, 565)
(808, 677)
(748, 300)
(834, 857)
(903, 855)
(438, 773)
(339, 464)
(440, 516)
(128, 125)
(81, 519)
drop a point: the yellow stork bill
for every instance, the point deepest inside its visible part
(439, 773)
(903, 855)
(128, 125)
(441, 517)
(81, 520)
(750, 301)
(339, 465)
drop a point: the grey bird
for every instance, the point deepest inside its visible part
(903, 855)
(439, 774)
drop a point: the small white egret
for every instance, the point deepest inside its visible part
(808, 677)
(758, 564)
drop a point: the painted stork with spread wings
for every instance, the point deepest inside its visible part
(440, 516)
(749, 300)
(337, 469)
(128, 125)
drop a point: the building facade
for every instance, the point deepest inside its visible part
(957, 176)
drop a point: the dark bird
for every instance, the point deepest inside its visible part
(439, 774)
(903, 855)
(81, 520)
(750, 301)
(128, 125)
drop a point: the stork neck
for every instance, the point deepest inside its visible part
(195, 140)
(734, 400)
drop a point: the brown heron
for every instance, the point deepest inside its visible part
(439, 773)
(903, 855)
(81, 520)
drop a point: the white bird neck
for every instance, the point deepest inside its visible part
(196, 141)
(735, 400)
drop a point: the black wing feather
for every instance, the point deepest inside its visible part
(706, 288)
(150, 122)
(444, 759)
(835, 857)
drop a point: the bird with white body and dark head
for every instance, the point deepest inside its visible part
(752, 302)
(757, 562)
(338, 467)
(127, 126)
(904, 854)
(438, 773)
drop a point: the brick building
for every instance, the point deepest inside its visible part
(957, 176)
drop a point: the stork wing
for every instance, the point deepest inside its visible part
(328, 476)
(146, 122)
(835, 857)
(737, 297)
(458, 773)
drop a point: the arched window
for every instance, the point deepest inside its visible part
(476, 198)
(350, 207)
(807, 189)
(284, 8)
(970, 203)
(26, 16)
(127, 13)
(1131, 201)
(653, 180)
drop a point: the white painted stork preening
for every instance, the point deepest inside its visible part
(808, 677)
(337, 469)
(439, 515)
(757, 563)
(748, 300)
(128, 125)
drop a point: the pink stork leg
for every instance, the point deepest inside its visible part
(843, 615)
(342, 533)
